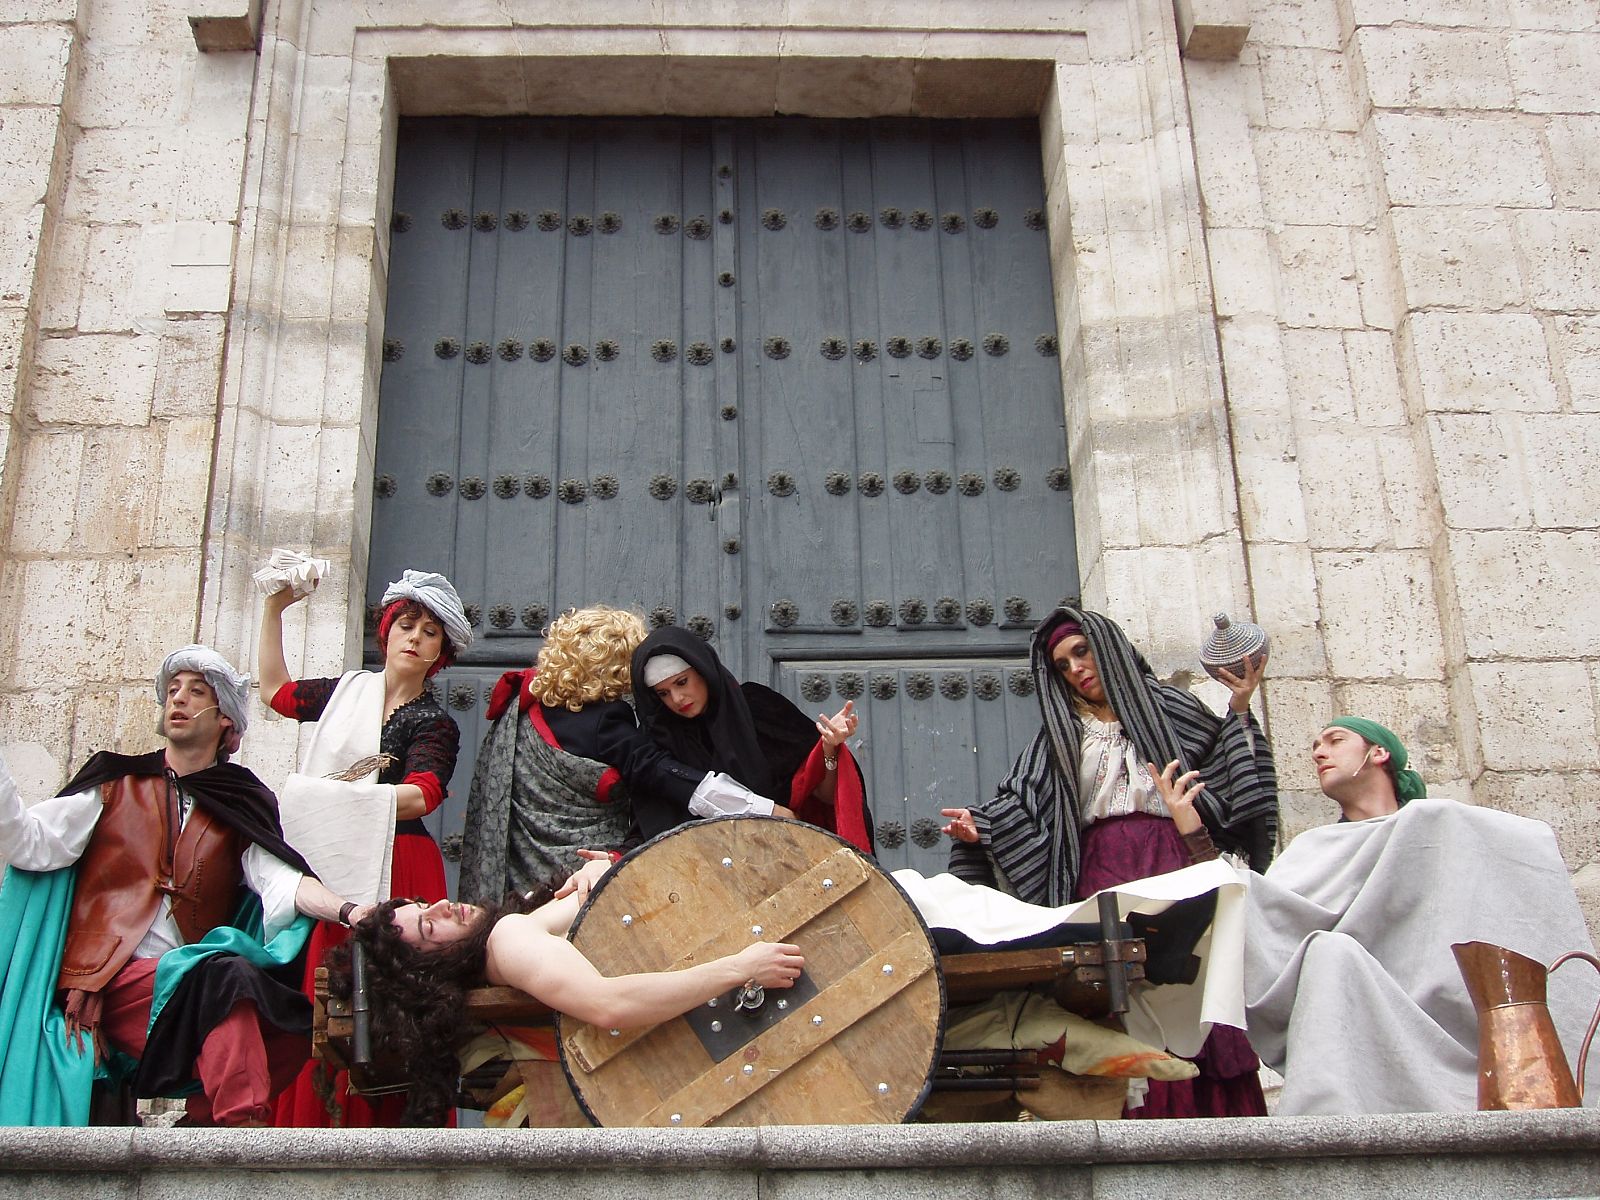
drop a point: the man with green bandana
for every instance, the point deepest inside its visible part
(1361, 766)
(1351, 991)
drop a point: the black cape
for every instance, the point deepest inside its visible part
(229, 793)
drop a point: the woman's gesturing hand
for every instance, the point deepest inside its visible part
(1179, 793)
(771, 964)
(836, 729)
(962, 827)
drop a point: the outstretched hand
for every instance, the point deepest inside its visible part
(771, 964)
(836, 729)
(962, 827)
(1179, 792)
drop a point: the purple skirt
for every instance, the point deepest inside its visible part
(1115, 851)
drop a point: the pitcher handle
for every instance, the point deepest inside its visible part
(1588, 1038)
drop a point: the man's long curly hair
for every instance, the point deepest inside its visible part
(416, 997)
(585, 657)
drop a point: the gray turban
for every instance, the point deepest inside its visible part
(434, 593)
(232, 688)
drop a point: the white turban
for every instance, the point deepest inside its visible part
(433, 592)
(232, 688)
(663, 666)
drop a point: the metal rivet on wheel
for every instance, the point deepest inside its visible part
(677, 1118)
(756, 929)
(888, 968)
(616, 1033)
(716, 1027)
(749, 1069)
(827, 885)
(627, 919)
(883, 1089)
(783, 1004)
(711, 1003)
(727, 862)
(817, 1020)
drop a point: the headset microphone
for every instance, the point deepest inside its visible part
(1365, 759)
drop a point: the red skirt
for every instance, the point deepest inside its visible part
(1116, 851)
(416, 871)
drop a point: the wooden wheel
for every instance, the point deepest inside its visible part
(854, 1042)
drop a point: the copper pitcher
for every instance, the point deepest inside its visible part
(1520, 1060)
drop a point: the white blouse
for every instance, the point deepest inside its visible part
(1112, 779)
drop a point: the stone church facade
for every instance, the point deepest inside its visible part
(1327, 282)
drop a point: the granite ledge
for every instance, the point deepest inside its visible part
(805, 1148)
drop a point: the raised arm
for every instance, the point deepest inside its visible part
(271, 670)
(48, 835)
(524, 954)
(833, 732)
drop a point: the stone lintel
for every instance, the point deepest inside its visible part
(226, 24)
(655, 84)
(1214, 29)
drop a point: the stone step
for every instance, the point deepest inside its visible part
(1422, 1157)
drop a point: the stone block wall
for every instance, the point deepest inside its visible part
(1403, 232)
(122, 153)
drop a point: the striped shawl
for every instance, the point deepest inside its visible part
(1030, 830)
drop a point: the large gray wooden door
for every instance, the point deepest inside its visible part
(790, 383)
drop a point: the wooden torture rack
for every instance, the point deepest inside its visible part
(857, 1040)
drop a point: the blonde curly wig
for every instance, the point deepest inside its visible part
(585, 657)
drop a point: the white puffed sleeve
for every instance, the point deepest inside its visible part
(276, 882)
(48, 835)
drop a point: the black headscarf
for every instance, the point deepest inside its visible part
(747, 731)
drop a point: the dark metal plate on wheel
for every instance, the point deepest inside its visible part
(724, 1028)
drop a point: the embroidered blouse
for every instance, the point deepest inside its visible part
(1111, 779)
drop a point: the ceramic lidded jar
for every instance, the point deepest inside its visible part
(1229, 645)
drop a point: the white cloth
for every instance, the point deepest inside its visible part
(663, 666)
(1112, 780)
(1176, 1016)
(298, 572)
(720, 795)
(1352, 991)
(344, 830)
(53, 834)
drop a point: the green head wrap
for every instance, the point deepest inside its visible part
(1409, 785)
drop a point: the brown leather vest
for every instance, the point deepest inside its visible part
(124, 872)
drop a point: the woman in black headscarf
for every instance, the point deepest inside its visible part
(750, 745)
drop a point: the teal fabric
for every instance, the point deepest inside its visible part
(44, 1078)
(242, 938)
(1410, 783)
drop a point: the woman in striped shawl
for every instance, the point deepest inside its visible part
(1086, 806)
